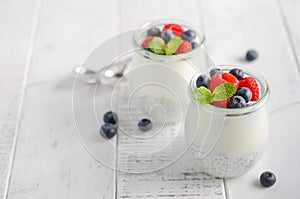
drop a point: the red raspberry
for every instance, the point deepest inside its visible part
(184, 47)
(146, 41)
(177, 29)
(215, 81)
(252, 84)
(222, 104)
(231, 78)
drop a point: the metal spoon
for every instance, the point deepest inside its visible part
(115, 70)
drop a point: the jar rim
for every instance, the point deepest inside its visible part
(166, 58)
(253, 107)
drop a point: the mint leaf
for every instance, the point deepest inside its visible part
(223, 92)
(172, 45)
(202, 95)
(157, 45)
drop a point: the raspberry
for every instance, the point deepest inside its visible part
(231, 78)
(184, 47)
(252, 84)
(146, 41)
(215, 81)
(222, 104)
(177, 30)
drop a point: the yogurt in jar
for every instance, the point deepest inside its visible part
(228, 142)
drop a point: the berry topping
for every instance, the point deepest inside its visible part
(251, 55)
(184, 47)
(245, 93)
(267, 179)
(145, 125)
(155, 32)
(238, 73)
(108, 130)
(218, 79)
(195, 45)
(110, 117)
(177, 29)
(252, 84)
(215, 71)
(167, 35)
(222, 103)
(230, 78)
(237, 102)
(157, 45)
(202, 80)
(215, 81)
(173, 45)
(146, 42)
(188, 35)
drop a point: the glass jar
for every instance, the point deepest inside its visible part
(164, 79)
(228, 142)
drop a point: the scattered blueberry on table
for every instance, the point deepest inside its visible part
(145, 124)
(110, 117)
(251, 55)
(267, 179)
(108, 130)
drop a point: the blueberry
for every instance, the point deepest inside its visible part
(245, 93)
(237, 102)
(215, 71)
(195, 45)
(267, 179)
(167, 35)
(145, 125)
(251, 55)
(238, 73)
(202, 80)
(189, 35)
(110, 117)
(108, 130)
(155, 32)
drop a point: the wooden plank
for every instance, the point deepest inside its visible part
(16, 20)
(232, 27)
(50, 162)
(136, 178)
(290, 19)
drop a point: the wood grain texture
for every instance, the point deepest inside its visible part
(290, 19)
(16, 20)
(182, 179)
(237, 27)
(50, 161)
(257, 25)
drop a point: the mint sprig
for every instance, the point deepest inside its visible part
(157, 45)
(173, 45)
(202, 95)
(222, 92)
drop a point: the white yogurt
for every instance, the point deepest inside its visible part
(228, 142)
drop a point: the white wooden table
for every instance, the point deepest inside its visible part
(42, 40)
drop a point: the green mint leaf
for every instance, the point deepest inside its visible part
(202, 95)
(172, 45)
(157, 45)
(223, 92)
